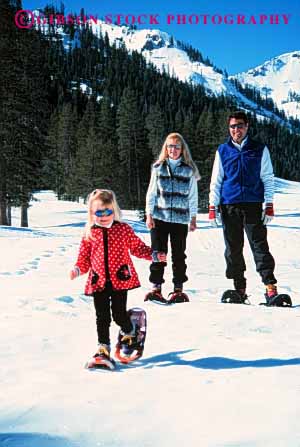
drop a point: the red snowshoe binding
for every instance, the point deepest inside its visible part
(273, 298)
(178, 296)
(102, 359)
(155, 296)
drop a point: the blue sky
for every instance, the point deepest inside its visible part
(232, 47)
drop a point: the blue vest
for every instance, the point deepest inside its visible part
(241, 181)
(172, 203)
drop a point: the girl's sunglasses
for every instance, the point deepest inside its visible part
(105, 212)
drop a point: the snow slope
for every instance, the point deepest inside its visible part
(212, 375)
(277, 78)
(165, 53)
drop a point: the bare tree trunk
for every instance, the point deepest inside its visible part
(9, 214)
(3, 191)
(3, 209)
(24, 215)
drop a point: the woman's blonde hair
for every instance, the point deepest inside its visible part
(107, 197)
(186, 154)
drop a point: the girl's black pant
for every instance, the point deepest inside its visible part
(111, 304)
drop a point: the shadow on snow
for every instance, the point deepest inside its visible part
(34, 440)
(213, 363)
(26, 230)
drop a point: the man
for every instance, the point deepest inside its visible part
(242, 181)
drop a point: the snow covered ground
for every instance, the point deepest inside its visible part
(212, 375)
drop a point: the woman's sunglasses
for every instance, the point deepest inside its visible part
(174, 146)
(105, 212)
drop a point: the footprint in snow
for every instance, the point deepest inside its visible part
(65, 299)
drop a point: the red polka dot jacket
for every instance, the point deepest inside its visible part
(113, 263)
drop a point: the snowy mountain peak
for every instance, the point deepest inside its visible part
(167, 55)
(164, 52)
(135, 40)
(149, 40)
(277, 78)
(276, 64)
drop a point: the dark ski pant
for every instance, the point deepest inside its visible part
(159, 241)
(239, 217)
(109, 302)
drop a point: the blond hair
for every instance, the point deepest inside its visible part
(186, 154)
(107, 197)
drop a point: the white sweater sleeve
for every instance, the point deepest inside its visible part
(267, 175)
(216, 181)
(193, 196)
(151, 193)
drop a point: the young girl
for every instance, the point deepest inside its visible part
(171, 207)
(104, 255)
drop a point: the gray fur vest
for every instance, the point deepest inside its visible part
(172, 204)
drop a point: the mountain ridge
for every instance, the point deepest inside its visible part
(277, 78)
(165, 53)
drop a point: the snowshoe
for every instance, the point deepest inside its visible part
(235, 297)
(156, 297)
(130, 347)
(273, 298)
(178, 296)
(280, 300)
(101, 360)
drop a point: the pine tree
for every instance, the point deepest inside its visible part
(23, 111)
(109, 169)
(62, 150)
(7, 79)
(82, 168)
(132, 143)
(188, 131)
(155, 125)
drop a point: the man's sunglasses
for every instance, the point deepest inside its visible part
(105, 212)
(174, 146)
(237, 126)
